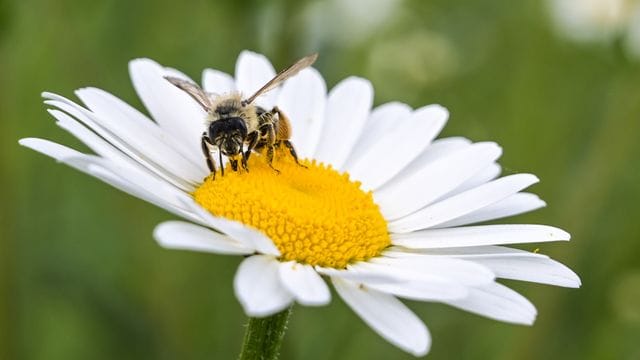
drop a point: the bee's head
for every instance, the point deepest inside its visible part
(228, 135)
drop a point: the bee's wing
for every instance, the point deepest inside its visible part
(199, 95)
(283, 75)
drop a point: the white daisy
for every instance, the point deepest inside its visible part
(385, 218)
(599, 21)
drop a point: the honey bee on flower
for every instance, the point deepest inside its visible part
(381, 218)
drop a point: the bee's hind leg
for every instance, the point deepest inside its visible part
(269, 134)
(292, 151)
(270, 153)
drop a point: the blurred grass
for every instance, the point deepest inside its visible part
(82, 278)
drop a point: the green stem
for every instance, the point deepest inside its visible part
(264, 336)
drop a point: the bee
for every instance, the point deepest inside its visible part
(233, 122)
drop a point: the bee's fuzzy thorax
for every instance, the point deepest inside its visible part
(231, 105)
(231, 99)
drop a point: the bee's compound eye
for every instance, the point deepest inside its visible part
(215, 128)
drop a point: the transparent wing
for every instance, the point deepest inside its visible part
(199, 95)
(283, 75)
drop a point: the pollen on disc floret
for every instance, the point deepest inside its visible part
(314, 215)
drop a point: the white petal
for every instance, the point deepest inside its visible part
(138, 178)
(217, 82)
(253, 70)
(347, 110)
(463, 203)
(88, 137)
(49, 148)
(479, 235)
(122, 116)
(119, 180)
(513, 205)
(533, 269)
(174, 110)
(169, 71)
(302, 98)
(458, 270)
(498, 302)
(304, 283)
(187, 236)
(407, 194)
(361, 275)
(392, 152)
(89, 120)
(470, 252)
(142, 134)
(381, 120)
(485, 175)
(145, 186)
(417, 278)
(92, 140)
(249, 236)
(122, 178)
(411, 284)
(387, 316)
(435, 290)
(258, 287)
(437, 149)
(507, 263)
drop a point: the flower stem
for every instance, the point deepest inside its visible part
(264, 336)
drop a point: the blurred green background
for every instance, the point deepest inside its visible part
(82, 278)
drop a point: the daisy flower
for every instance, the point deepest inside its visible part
(599, 21)
(382, 211)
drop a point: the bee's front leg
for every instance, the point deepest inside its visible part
(252, 139)
(221, 163)
(205, 143)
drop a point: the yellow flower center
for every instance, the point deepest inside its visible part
(314, 215)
